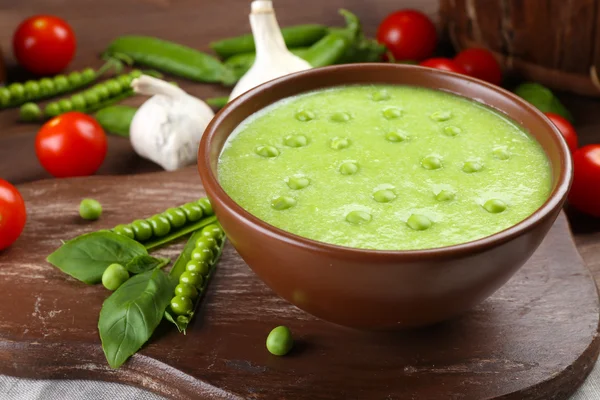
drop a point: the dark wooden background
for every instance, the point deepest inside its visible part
(196, 23)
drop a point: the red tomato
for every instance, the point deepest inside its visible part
(567, 130)
(585, 192)
(44, 44)
(408, 35)
(72, 144)
(481, 64)
(445, 64)
(12, 214)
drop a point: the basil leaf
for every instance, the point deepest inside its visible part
(130, 315)
(145, 263)
(87, 256)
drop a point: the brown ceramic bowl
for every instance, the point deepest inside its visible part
(375, 289)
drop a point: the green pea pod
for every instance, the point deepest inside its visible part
(241, 63)
(171, 58)
(334, 45)
(217, 102)
(542, 98)
(116, 119)
(363, 50)
(294, 36)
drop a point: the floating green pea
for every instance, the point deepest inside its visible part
(90, 209)
(381, 95)
(445, 195)
(396, 136)
(501, 153)
(358, 217)
(392, 113)
(298, 182)
(305, 115)
(267, 151)
(283, 203)
(338, 143)
(494, 206)
(384, 195)
(472, 166)
(452, 130)
(340, 116)
(431, 162)
(441, 116)
(349, 168)
(418, 222)
(295, 141)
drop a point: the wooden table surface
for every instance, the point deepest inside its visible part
(196, 23)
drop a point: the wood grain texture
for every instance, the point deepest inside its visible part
(534, 339)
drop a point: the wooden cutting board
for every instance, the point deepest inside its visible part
(536, 338)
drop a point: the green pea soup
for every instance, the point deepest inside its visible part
(384, 167)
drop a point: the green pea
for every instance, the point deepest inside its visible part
(384, 195)
(136, 73)
(204, 203)
(78, 102)
(396, 136)
(181, 305)
(193, 212)
(501, 153)
(124, 81)
(418, 222)
(349, 168)
(114, 276)
(52, 109)
(160, 225)
(90, 209)
(472, 166)
(295, 141)
(441, 116)
(267, 151)
(30, 112)
(88, 75)
(61, 83)
(176, 217)
(283, 203)
(32, 89)
(305, 115)
(495, 206)
(186, 290)
(214, 231)
(200, 267)
(47, 86)
(297, 182)
(202, 254)
(280, 341)
(65, 105)
(4, 97)
(91, 98)
(125, 230)
(392, 113)
(17, 90)
(380, 95)
(340, 116)
(358, 217)
(445, 195)
(208, 242)
(191, 278)
(101, 91)
(338, 143)
(75, 79)
(431, 162)
(452, 130)
(113, 86)
(141, 229)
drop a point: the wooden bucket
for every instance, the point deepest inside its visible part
(553, 42)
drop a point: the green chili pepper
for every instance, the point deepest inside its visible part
(294, 36)
(241, 63)
(116, 119)
(334, 45)
(172, 58)
(542, 98)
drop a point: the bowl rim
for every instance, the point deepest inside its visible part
(554, 201)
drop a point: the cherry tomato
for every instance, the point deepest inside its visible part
(12, 214)
(480, 64)
(408, 35)
(445, 64)
(585, 191)
(44, 44)
(566, 129)
(72, 144)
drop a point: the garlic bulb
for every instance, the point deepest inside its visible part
(273, 59)
(168, 127)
